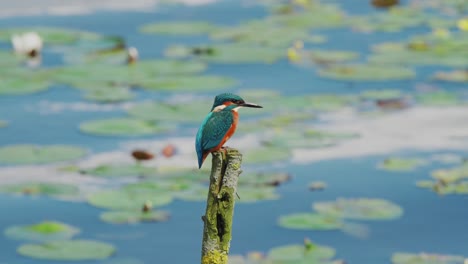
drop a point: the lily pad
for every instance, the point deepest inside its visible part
(128, 217)
(310, 221)
(301, 254)
(68, 250)
(18, 81)
(401, 164)
(50, 35)
(316, 16)
(188, 83)
(264, 179)
(124, 199)
(452, 76)
(44, 231)
(255, 194)
(266, 155)
(438, 98)
(451, 175)
(383, 94)
(122, 127)
(35, 154)
(110, 94)
(426, 258)
(120, 170)
(58, 190)
(160, 111)
(332, 56)
(178, 28)
(228, 53)
(364, 72)
(3, 123)
(196, 193)
(361, 208)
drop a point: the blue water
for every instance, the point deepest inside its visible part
(430, 223)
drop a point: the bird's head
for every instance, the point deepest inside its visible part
(231, 101)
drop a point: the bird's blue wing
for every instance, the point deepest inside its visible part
(212, 131)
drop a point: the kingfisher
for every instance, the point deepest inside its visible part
(219, 125)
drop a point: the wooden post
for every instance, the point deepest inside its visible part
(217, 220)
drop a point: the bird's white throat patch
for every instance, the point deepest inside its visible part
(219, 108)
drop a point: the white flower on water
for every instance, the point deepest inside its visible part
(132, 55)
(29, 43)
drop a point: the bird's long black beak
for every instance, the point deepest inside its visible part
(251, 105)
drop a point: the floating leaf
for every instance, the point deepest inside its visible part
(44, 231)
(452, 76)
(362, 208)
(302, 254)
(3, 123)
(383, 94)
(331, 56)
(363, 72)
(68, 250)
(317, 186)
(159, 111)
(35, 154)
(438, 98)
(317, 16)
(197, 193)
(19, 81)
(59, 190)
(266, 155)
(122, 127)
(110, 94)
(125, 199)
(50, 35)
(120, 170)
(188, 83)
(401, 164)
(128, 217)
(310, 221)
(264, 179)
(228, 53)
(255, 194)
(426, 258)
(452, 174)
(178, 28)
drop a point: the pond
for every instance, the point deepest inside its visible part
(360, 148)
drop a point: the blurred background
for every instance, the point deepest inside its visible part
(358, 156)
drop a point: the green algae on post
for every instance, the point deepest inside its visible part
(123, 127)
(401, 164)
(135, 216)
(37, 154)
(426, 258)
(68, 250)
(360, 208)
(310, 221)
(44, 231)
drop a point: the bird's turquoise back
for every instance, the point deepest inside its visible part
(212, 131)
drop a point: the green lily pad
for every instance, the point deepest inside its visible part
(364, 72)
(50, 35)
(44, 231)
(125, 199)
(68, 250)
(122, 127)
(285, 119)
(9, 59)
(361, 208)
(384, 94)
(109, 94)
(228, 53)
(120, 170)
(451, 175)
(438, 98)
(266, 155)
(35, 154)
(160, 111)
(310, 221)
(316, 16)
(188, 83)
(259, 94)
(58, 190)
(19, 81)
(401, 164)
(254, 194)
(443, 188)
(264, 179)
(331, 56)
(3, 123)
(452, 76)
(178, 28)
(426, 258)
(128, 217)
(301, 254)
